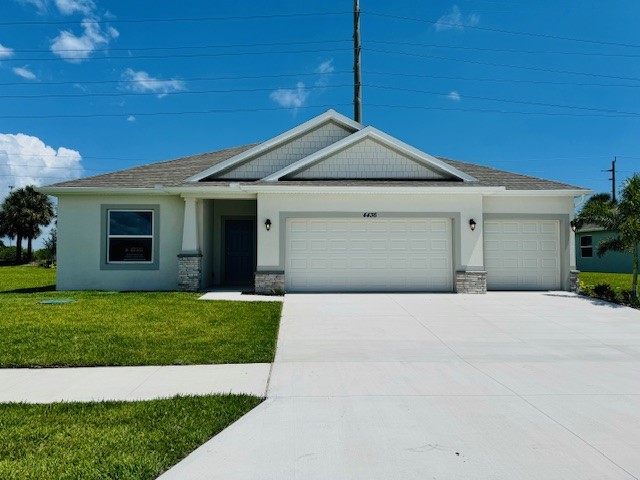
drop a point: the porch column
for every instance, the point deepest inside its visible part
(190, 258)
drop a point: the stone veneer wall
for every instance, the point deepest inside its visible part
(471, 282)
(269, 283)
(574, 278)
(189, 272)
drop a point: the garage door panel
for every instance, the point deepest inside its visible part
(522, 254)
(374, 254)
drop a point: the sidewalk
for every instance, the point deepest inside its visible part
(84, 384)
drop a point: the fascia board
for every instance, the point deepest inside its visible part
(56, 191)
(370, 132)
(278, 140)
(279, 188)
(544, 193)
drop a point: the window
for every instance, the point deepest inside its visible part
(586, 246)
(130, 236)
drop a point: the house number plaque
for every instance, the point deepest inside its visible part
(370, 214)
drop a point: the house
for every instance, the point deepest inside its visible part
(330, 205)
(588, 239)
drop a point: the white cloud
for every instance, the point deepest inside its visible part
(326, 67)
(131, 118)
(453, 95)
(5, 52)
(290, 97)
(75, 49)
(27, 160)
(24, 72)
(142, 82)
(69, 7)
(455, 20)
(41, 5)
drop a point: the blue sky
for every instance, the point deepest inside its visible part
(101, 87)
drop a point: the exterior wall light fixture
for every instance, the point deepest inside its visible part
(472, 224)
(574, 226)
(267, 224)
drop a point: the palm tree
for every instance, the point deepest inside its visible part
(622, 217)
(23, 212)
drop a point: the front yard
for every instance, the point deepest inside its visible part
(134, 328)
(119, 440)
(114, 440)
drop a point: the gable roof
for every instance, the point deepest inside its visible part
(214, 168)
(427, 161)
(261, 148)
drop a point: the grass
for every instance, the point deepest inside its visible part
(114, 440)
(135, 328)
(620, 284)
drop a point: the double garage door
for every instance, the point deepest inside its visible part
(415, 254)
(368, 254)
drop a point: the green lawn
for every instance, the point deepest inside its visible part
(135, 328)
(110, 440)
(619, 283)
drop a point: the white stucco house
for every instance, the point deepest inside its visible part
(331, 205)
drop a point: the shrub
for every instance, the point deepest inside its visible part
(7, 254)
(604, 292)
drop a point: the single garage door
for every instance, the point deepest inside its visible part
(368, 254)
(522, 254)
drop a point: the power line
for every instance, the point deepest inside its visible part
(498, 80)
(150, 93)
(504, 65)
(508, 32)
(371, 85)
(184, 55)
(504, 50)
(179, 20)
(193, 79)
(502, 100)
(153, 114)
(245, 110)
(184, 47)
(509, 112)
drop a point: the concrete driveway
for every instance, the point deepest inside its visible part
(419, 386)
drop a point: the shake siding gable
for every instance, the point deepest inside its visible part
(368, 159)
(282, 156)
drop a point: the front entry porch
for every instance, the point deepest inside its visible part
(219, 244)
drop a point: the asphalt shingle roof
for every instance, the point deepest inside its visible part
(173, 173)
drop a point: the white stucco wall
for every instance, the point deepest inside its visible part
(468, 252)
(79, 240)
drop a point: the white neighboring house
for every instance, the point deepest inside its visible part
(330, 205)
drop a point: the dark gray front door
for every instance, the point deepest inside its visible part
(239, 255)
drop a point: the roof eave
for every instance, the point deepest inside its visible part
(563, 192)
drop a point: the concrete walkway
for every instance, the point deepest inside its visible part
(500, 386)
(129, 383)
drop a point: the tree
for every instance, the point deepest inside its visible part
(22, 214)
(622, 217)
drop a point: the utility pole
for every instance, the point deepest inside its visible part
(357, 85)
(613, 178)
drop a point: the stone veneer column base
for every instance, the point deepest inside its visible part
(269, 283)
(574, 281)
(189, 271)
(471, 282)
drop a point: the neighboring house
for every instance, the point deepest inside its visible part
(330, 205)
(588, 239)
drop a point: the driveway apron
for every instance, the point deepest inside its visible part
(416, 386)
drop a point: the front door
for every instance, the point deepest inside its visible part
(239, 254)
